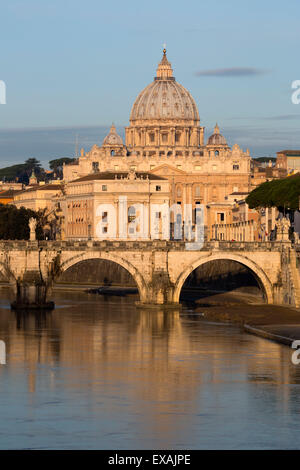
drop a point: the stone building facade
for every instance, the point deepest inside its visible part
(288, 160)
(165, 139)
(116, 205)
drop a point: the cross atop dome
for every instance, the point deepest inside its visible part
(217, 129)
(164, 70)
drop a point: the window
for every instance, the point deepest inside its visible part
(151, 135)
(116, 167)
(164, 138)
(104, 229)
(197, 191)
(104, 187)
(216, 153)
(112, 153)
(95, 167)
(152, 166)
(179, 167)
(177, 137)
(104, 216)
(236, 167)
(158, 215)
(158, 188)
(214, 167)
(198, 167)
(220, 216)
(133, 167)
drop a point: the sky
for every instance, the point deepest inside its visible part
(72, 68)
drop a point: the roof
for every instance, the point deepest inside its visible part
(43, 187)
(10, 193)
(292, 153)
(237, 193)
(110, 175)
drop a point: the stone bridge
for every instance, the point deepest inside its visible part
(159, 268)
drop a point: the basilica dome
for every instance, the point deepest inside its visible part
(164, 98)
(216, 138)
(113, 138)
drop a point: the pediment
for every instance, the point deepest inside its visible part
(165, 170)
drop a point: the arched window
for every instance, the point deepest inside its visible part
(217, 153)
(112, 153)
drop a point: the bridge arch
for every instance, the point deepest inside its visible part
(258, 272)
(7, 273)
(136, 275)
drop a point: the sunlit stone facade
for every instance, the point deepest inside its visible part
(109, 206)
(165, 138)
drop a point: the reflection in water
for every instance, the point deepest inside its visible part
(99, 373)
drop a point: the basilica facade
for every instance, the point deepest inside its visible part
(166, 140)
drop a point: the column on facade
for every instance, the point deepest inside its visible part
(184, 202)
(250, 230)
(147, 222)
(143, 136)
(157, 139)
(201, 136)
(273, 218)
(205, 193)
(172, 142)
(267, 224)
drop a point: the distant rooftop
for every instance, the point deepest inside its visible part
(290, 153)
(110, 175)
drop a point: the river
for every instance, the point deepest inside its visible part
(99, 373)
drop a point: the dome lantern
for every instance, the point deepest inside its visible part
(164, 70)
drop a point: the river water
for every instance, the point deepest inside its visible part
(98, 373)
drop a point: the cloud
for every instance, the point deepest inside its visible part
(280, 117)
(231, 72)
(283, 117)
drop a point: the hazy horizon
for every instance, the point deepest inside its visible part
(72, 67)
(49, 143)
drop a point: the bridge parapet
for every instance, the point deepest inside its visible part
(155, 245)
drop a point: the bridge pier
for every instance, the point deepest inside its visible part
(159, 293)
(30, 292)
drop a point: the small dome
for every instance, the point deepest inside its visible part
(113, 138)
(164, 98)
(216, 138)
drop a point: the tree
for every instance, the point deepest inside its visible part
(12, 173)
(14, 223)
(283, 194)
(57, 165)
(22, 171)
